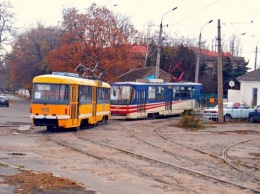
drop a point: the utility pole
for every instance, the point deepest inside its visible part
(198, 55)
(220, 78)
(256, 50)
(158, 58)
(159, 49)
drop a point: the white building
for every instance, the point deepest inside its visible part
(249, 92)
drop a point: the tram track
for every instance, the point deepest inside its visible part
(225, 157)
(124, 165)
(108, 143)
(175, 166)
(234, 164)
(208, 153)
(190, 147)
(187, 158)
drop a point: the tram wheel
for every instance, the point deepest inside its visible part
(77, 128)
(49, 128)
(104, 120)
(152, 115)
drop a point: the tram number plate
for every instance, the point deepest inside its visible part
(45, 109)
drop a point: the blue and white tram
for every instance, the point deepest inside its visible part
(147, 98)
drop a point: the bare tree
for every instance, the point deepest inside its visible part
(6, 22)
(28, 57)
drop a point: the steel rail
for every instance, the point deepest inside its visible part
(121, 164)
(172, 165)
(225, 157)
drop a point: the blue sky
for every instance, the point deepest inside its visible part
(187, 20)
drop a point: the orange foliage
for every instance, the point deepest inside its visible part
(93, 38)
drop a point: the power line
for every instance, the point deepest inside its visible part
(194, 13)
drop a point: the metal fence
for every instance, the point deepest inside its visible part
(209, 100)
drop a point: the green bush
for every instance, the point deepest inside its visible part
(190, 122)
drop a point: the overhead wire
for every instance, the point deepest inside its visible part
(194, 13)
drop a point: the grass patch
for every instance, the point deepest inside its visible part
(191, 122)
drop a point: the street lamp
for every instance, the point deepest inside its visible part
(232, 46)
(157, 67)
(256, 50)
(147, 51)
(198, 54)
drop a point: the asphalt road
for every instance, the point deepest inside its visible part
(18, 112)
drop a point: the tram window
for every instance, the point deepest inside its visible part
(190, 92)
(132, 95)
(85, 93)
(151, 92)
(122, 94)
(103, 93)
(106, 92)
(183, 92)
(100, 94)
(64, 91)
(53, 92)
(159, 93)
(113, 94)
(177, 92)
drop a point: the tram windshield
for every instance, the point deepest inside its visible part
(122, 95)
(50, 92)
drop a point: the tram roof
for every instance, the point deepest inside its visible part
(152, 83)
(61, 79)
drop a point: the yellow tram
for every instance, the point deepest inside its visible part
(66, 100)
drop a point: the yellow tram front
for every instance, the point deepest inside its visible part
(67, 101)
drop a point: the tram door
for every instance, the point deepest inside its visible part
(141, 103)
(168, 99)
(74, 104)
(94, 104)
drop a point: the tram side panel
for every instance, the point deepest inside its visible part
(158, 99)
(61, 101)
(94, 104)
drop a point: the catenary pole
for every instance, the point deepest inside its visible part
(220, 78)
(159, 49)
(198, 54)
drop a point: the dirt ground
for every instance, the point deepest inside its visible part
(32, 182)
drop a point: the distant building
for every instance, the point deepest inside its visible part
(139, 52)
(250, 88)
(210, 58)
(144, 73)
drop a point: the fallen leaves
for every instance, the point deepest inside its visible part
(29, 182)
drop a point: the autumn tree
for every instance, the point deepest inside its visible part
(171, 55)
(209, 83)
(167, 58)
(93, 38)
(6, 22)
(29, 51)
(6, 32)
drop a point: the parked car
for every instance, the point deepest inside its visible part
(4, 101)
(231, 110)
(254, 116)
